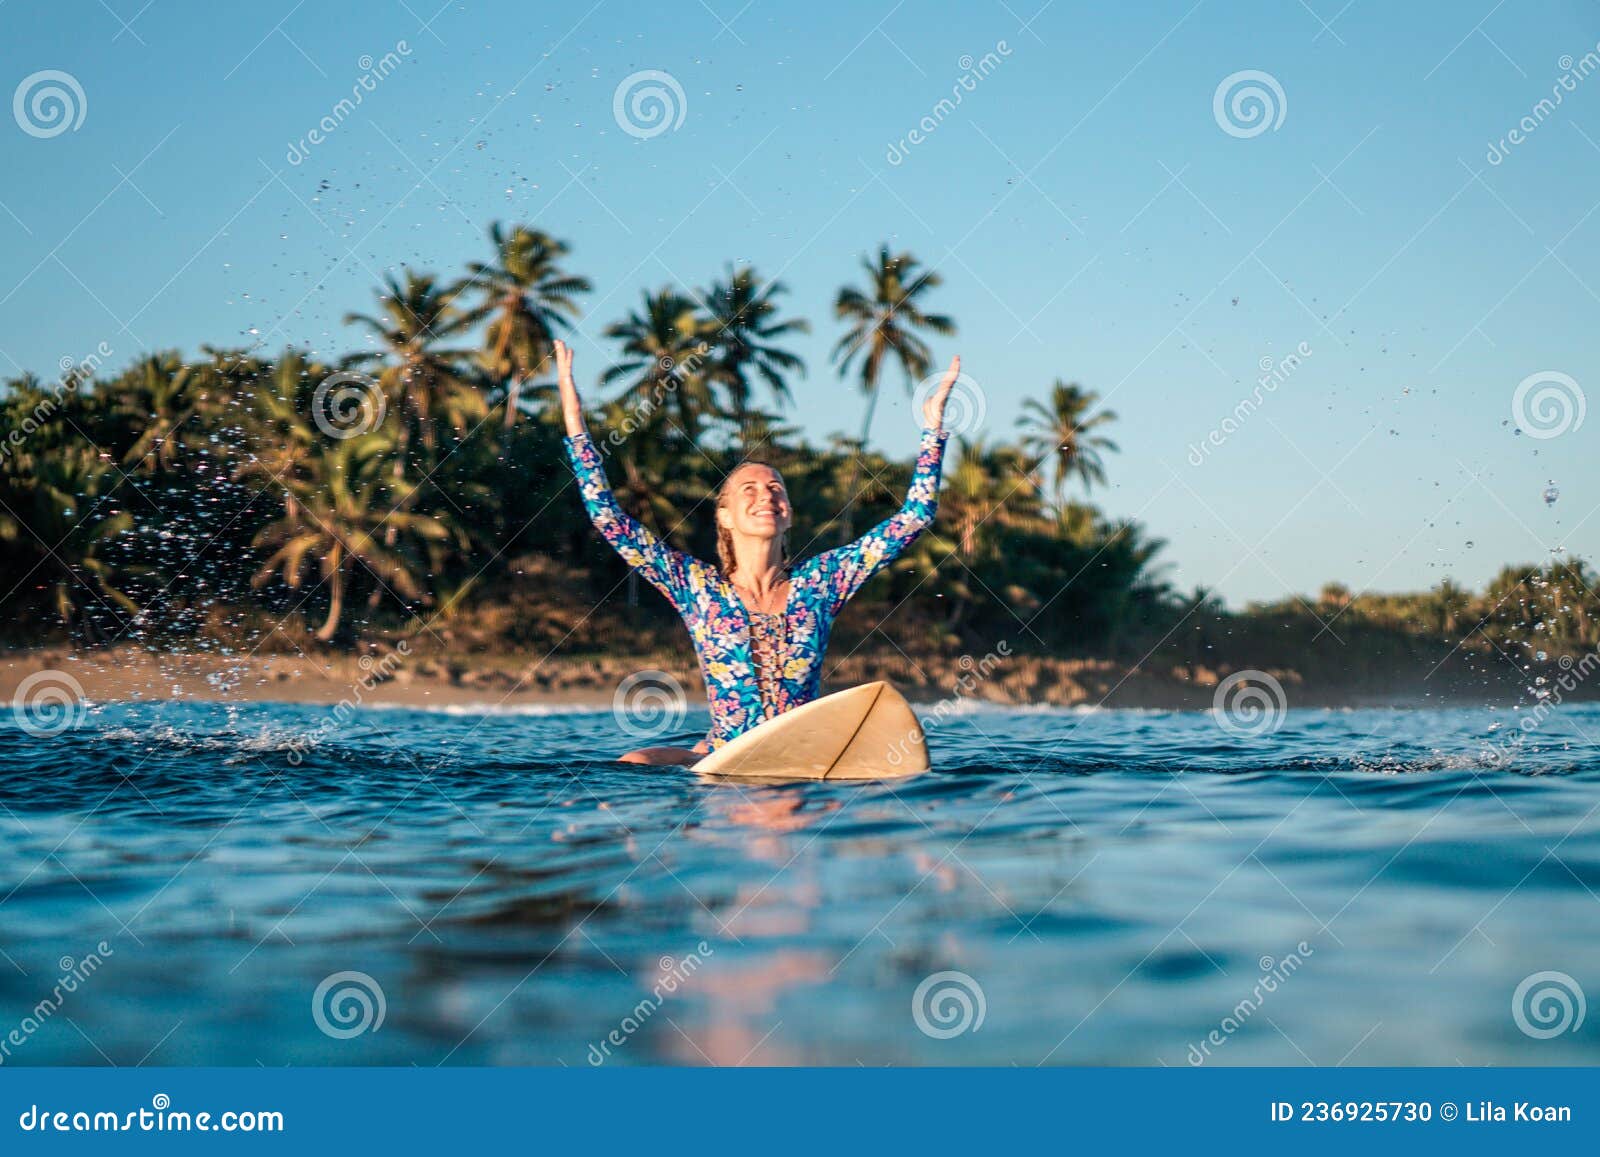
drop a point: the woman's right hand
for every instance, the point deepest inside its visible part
(571, 406)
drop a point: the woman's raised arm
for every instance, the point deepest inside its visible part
(662, 566)
(571, 405)
(848, 567)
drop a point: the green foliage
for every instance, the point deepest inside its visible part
(195, 502)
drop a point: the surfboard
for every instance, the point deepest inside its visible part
(865, 732)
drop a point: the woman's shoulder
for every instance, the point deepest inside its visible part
(707, 576)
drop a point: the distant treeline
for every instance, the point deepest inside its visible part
(418, 486)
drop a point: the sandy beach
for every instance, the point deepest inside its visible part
(391, 678)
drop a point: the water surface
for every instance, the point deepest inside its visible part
(1111, 886)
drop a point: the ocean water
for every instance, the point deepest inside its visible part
(263, 885)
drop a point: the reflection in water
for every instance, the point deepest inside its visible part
(1110, 883)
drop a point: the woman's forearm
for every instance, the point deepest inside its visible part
(571, 406)
(922, 497)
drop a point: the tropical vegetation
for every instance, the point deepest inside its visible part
(241, 499)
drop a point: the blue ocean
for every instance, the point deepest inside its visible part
(212, 884)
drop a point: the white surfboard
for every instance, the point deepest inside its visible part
(865, 732)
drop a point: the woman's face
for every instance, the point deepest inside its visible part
(756, 504)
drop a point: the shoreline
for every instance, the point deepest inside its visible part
(508, 680)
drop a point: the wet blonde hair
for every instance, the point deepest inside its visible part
(725, 536)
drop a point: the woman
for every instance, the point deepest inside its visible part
(759, 624)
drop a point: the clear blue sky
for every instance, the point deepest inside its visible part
(1092, 219)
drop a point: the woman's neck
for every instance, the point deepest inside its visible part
(758, 563)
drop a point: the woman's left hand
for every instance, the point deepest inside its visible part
(933, 404)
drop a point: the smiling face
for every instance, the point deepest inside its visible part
(754, 503)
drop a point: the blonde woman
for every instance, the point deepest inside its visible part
(758, 620)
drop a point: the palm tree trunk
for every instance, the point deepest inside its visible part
(513, 388)
(401, 450)
(846, 525)
(335, 602)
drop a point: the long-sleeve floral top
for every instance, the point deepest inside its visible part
(718, 621)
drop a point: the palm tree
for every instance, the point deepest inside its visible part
(744, 313)
(529, 295)
(429, 386)
(666, 352)
(61, 509)
(338, 519)
(162, 395)
(884, 321)
(278, 433)
(1060, 430)
(987, 491)
(641, 467)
